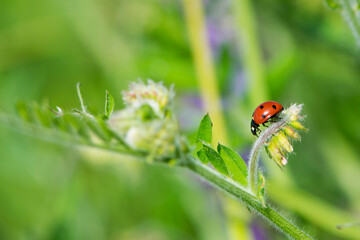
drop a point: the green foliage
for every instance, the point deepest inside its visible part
(215, 159)
(303, 48)
(234, 163)
(109, 104)
(204, 132)
(75, 126)
(202, 156)
(225, 160)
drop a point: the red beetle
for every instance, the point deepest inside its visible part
(265, 112)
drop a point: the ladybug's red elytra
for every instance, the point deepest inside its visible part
(265, 112)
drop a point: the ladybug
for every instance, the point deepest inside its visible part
(265, 112)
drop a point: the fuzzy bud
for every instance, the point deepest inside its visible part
(297, 125)
(146, 123)
(284, 142)
(275, 153)
(278, 143)
(291, 133)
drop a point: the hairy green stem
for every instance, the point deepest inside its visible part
(254, 154)
(349, 13)
(249, 199)
(207, 173)
(83, 107)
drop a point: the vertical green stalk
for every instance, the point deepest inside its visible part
(250, 50)
(349, 13)
(204, 65)
(254, 154)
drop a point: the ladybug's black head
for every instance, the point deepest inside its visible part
(254, 128)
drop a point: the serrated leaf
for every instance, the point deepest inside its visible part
(202, 156)
(333, 4)
(215, 159)
(261, 189)
(109, 104)
(205, 130)
(234, 163)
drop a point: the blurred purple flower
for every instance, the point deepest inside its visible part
(257, 231)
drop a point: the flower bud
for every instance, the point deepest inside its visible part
(297, 125)
(145, 123)
(278, 145)
(291, 133)
(283, 161)
(153, 94)
(283, 142)
(275, 154)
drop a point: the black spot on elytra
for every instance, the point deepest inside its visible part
(261, 106)
(274, 107)
(263, 116)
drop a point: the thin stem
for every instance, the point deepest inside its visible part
(204, 66)
(249, 199)
(254, 154)
(83, 108)
(349, 14)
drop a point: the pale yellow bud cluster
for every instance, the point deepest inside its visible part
(146, 123)
(278, 145)
(156, 95)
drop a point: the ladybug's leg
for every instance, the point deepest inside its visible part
(274, 118)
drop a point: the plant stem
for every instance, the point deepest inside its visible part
(254, 154)
(349, 14)
(204, 66)
(249, 199)
(83, 107)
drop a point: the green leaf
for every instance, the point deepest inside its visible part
(261, 189)
(333, 4)
(109, 104)
(202, 156)
(234, 163)
(205, 130)
(215, 159)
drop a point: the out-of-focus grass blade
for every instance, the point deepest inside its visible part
(234, 163)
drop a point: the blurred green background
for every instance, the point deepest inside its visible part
(307, 54)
